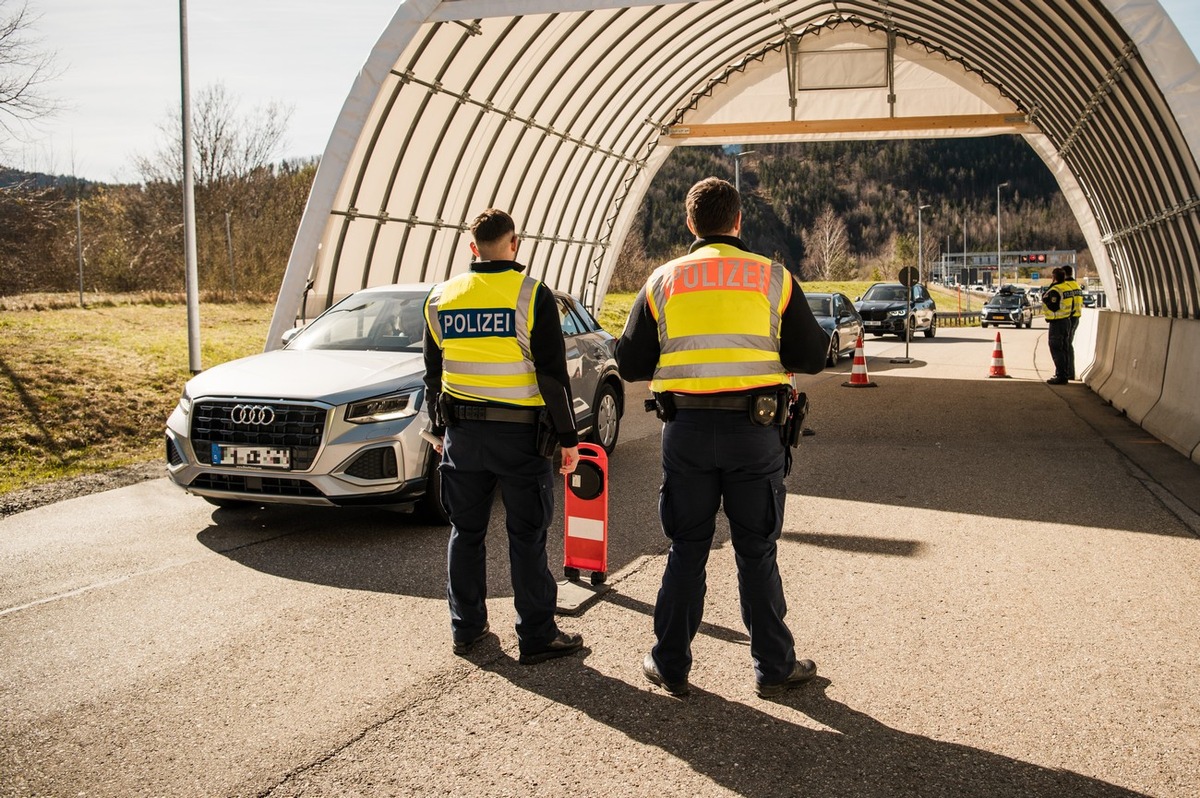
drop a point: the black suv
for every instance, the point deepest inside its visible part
(1010, 306)
(884, 308)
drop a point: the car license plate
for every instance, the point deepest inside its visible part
(871, 323)
(998, 316)
(259, 456)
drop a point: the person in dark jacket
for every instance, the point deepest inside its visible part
(717, 332)
(1058, 308)
(495, 369)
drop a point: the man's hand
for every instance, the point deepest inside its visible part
(570, 459)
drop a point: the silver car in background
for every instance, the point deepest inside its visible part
(334, 417)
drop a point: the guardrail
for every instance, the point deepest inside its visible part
(950, 318)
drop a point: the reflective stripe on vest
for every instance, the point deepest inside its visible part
(482, 322)
(718, 311)
(1065, 305)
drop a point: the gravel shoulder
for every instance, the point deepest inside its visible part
(18, 501)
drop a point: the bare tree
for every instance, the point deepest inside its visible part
(827, 247)
(25, 69)
(228, 146)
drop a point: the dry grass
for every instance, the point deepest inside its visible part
(84, 390)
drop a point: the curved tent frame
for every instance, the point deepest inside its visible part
(562, 113)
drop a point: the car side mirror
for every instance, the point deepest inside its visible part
(288, 335)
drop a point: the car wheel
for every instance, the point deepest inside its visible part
(606, 424)
(983, 324)
(835, 352)
(932, 331)
(1029, 324)
(429, 507)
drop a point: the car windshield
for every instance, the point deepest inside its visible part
(885, 293)
(1006, 301)
(820, 306)
(382, 322)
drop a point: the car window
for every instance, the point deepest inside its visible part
(381, 322)
(819, 306)
(571, 325)
(589, 321)
(884, 293)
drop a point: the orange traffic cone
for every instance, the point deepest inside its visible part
(858, 374)
(997, 369)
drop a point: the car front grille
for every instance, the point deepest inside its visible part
(266, 486)
(287, 426)
(874, 315)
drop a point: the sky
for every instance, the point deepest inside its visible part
(119, 68)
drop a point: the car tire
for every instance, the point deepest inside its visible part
(835, 353)
(983, 325)
(606, 422)
(932, 330)
(429, 507)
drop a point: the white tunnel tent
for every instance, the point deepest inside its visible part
(562, 113)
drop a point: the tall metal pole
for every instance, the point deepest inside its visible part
(191, 277)
(229, 246)
(920, 247)
(999, 271)
(79, 243)
(737, 168)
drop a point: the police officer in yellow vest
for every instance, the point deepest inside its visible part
(1058, 306)
(717, 332)
(1075, 291)
(495, 368)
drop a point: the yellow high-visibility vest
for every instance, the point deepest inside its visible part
(718, 311)
(482, 323)
(1066, 305)
(1074, 290)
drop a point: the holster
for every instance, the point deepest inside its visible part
(662, 405)
(793, 429)
(445, 410)
(547, 436)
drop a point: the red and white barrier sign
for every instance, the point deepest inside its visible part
(585, 539)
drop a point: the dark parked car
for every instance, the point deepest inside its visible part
(335, 416)
(837, 316)
(884, 308)
(1007, 307)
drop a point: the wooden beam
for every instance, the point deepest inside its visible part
(1017, 123)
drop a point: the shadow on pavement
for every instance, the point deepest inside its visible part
(758, 755)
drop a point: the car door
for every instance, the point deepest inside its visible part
(580, 347)
(922, 306)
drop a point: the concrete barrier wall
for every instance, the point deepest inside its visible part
(1107, 326)
(1175, 419)
(1140, 363)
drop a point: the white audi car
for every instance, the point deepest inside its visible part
(335, 416)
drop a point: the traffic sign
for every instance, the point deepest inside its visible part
(909, 277)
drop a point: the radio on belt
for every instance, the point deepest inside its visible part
(585, 538)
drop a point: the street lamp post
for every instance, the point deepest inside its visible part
(999, 271)
(737, 168)
(920, 247)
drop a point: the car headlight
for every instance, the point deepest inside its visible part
(900, 312)
(384, 408)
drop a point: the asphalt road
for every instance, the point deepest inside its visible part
(998, 580)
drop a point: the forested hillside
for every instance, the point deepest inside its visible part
(836, 210)
(849, 209)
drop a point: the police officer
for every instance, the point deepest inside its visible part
(1075, 291)
(1058, 306)
(495, 368)
(716, 332)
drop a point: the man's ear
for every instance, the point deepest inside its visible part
(513, 244)
(692, 227)
(475, 251)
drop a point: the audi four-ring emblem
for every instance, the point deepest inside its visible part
(256, 415)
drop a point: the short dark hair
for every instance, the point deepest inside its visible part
(713, 206)
(1067, 270)
(1058, 274)
(492, 225)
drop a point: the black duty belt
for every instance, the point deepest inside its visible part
(687, 401)
(463, 412)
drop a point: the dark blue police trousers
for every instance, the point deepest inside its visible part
(710, 456)
(477, 456)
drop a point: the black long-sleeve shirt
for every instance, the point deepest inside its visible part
(803, 343)
(545, 346)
